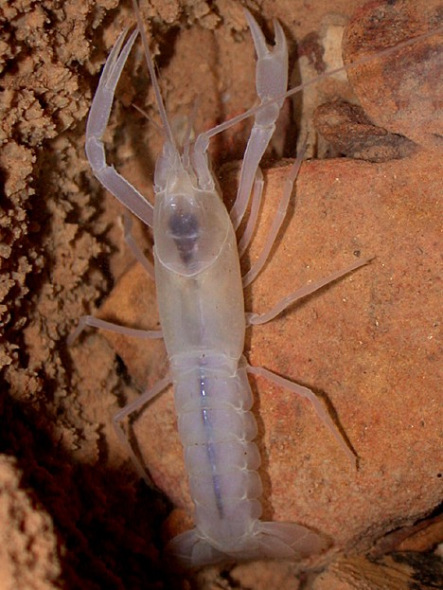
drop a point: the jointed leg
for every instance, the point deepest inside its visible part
(310, 395)
(129, 409)
(91, 321)
(271, 82)
(276, 224)
(257, 194)
(134, 247)
(96, 126)
(256, 319)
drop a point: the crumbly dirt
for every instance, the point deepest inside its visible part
(73, 511)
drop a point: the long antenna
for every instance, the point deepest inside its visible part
(161, 105)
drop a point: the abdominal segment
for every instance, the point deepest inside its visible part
(217, 428)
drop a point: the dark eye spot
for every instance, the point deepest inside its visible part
(184, 229)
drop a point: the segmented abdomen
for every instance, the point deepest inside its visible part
(216, 427)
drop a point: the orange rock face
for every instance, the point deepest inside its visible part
(74, 512)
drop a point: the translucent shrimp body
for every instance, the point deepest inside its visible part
(213, 401)
(200, 298)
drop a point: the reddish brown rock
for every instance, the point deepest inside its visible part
(347, 128)
(401, 571)
(402, 92)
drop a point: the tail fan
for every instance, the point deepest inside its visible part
(268, 540)
(287, 540)
(190, 550)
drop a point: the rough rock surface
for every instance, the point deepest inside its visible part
(28, 551)
(87, 522)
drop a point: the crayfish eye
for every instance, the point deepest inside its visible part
(184, 230)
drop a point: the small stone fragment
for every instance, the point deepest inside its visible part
(352, 134)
